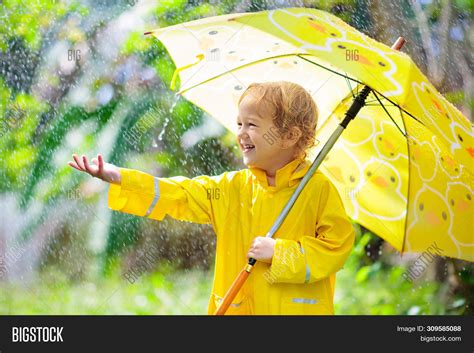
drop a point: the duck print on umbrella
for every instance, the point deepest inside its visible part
(431, 216)
(454, 130)
(460, 202)
(423, 159)
(383, 179)
(345, 172)
(390, 145)
(446, 160)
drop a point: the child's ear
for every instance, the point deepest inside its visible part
(292, 137)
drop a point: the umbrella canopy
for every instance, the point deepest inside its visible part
(404, 167)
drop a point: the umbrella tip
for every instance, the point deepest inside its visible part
(399, 43)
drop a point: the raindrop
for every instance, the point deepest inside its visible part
(160, 136)
(167, 119)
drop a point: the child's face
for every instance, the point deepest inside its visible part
(258, 138)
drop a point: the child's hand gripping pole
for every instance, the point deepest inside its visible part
(357, 104)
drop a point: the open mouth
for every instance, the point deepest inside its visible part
(247, 148)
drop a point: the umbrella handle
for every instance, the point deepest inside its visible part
(235, 288)
(358, 103)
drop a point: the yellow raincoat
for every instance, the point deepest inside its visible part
(311, 245)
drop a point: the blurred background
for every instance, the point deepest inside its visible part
(80, 76)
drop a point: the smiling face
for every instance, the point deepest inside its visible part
(259, 139)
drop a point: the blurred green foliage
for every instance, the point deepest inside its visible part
(368, 287)
(165, 292)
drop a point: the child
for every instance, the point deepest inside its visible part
(295, 271)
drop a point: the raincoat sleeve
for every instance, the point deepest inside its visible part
(195, 200)
(314, 257)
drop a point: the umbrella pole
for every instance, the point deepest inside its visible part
(356, 106)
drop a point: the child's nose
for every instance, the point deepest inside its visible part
(242, 132)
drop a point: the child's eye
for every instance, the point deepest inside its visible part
(251, 124)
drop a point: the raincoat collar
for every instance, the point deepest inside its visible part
(286, 176)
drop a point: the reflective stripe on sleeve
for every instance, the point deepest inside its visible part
(155, 198)
(308, 273)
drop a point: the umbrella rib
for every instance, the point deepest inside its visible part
(386, 111)
(398, 105)
(333, 71)
(235, 69)
(408, 189)
(350, 87)
(373, 101)
(377, 105)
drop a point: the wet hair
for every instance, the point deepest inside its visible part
(292, 106)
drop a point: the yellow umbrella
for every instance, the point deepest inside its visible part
(404, 167)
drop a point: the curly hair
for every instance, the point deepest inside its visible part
(292, 105)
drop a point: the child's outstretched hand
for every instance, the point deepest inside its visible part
(105, 171)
